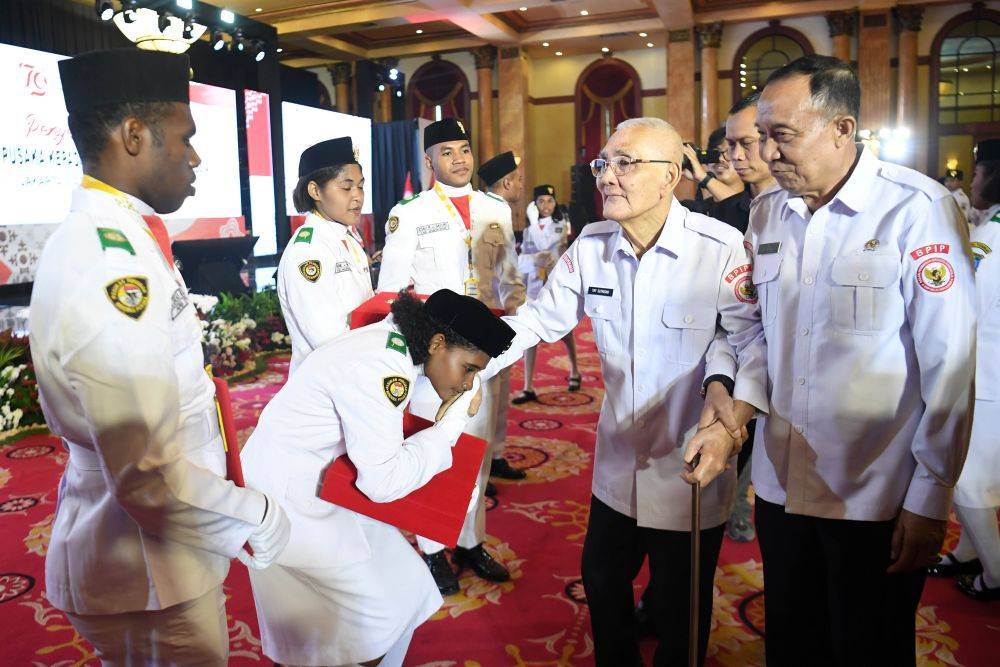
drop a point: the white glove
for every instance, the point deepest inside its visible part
(270, 538)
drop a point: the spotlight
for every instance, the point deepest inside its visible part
(218, 40)
(381, 87)
(280, 50)
(259, 50)
(227, 16)
(545, 43)
(163, 22)
(393, 73)
(642, 34)
(240, 42)
(399, 93)
(184, 4)
(604, 49)
(105, 10)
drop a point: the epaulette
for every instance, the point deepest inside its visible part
(497, 197)
(915, 180)
(304, 235)
(114, 238)
(407, 200)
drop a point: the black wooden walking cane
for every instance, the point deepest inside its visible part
(693, 610)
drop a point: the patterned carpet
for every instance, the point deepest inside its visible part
(536, 527)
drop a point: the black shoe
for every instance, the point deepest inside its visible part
(574, 382)
(441, 570)
(952, 567)
(644, 621)
(525, 396)
(491, 489)
(482, 563)
(974, 586)
(502, 469)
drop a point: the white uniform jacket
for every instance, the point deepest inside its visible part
(544, 241)
(426, 246)
(655, 321)
(964, 205)
(323, 276)
(145, 518)
(868, 307)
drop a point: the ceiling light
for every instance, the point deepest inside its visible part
(642, 34)
(545, 43)
(240, 42)
(381, 87)
(743, 85)
(393, 73)
(227, 16)
(649, 44)
(259, 9)
(419, 31)
(399, 93)
(558, 53)
(604, 49)
(965, 69)
(218, 40)
(584, 12)
(523, 9)
(259, 49)
(280, 50)
(184, 4)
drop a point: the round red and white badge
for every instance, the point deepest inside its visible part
(935, 275)
(745, 290)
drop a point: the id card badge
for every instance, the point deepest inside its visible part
(472, 287)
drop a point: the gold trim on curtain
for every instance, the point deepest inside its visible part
(603, 102)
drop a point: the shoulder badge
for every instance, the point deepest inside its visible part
(114, 238)
(129, 294)
(304, 235)
(393, 224)
(407, 200)
(396, 342)
(311, 270)
(396, 389)
(497, 197)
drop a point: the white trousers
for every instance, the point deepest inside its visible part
(489, 423)
(191, 633)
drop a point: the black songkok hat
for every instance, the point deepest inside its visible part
(988, 149)
(542, 190)
(447, 129)
(471, 319)
(119, 76)
(497, 167)
(329, 153)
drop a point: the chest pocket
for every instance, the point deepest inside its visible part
(437, 250)
(487, 249)
(765, 280)
(604, 312)
(690, 329)
(862, 292)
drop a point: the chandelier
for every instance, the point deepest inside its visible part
(153, 31)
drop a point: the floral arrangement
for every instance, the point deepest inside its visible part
(19, 407)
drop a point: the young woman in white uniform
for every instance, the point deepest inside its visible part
(323, 274)
(349, 589)
(545, 240)
(976, 559)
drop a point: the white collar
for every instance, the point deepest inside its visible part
(450, 191)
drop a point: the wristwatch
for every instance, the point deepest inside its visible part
(703, 183)
(726, 381)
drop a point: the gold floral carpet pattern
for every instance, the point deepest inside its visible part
(535, 526)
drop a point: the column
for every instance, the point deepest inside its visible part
(908, 19)
(680, 91)
(513, 72)
(842, 26)
(341, 75)
(486, 58)
(709, 39)
(874, 71)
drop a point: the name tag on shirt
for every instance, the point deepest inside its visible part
(600, 291)
(430, 229)
(341, 267)
(768, 248)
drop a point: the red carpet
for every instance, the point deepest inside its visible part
(537, 526)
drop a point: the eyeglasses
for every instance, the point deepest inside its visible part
(620, 165)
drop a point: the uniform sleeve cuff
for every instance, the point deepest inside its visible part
(928, 499)
(752, 393)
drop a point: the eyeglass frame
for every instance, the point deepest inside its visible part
(630, 163)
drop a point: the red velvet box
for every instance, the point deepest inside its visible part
(435, 510)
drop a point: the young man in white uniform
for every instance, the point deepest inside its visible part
(146, 523)
(323, 274)
(452, 237)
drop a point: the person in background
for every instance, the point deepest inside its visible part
(323, 274)
(952, 180)
(716, 181)
(503, 178)
(545, 240)
(976, 558)
(350, 589)
(454, 237)
(146, 523)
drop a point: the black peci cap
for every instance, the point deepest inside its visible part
(497, 167)
(986, 150)
(542, 190)
(329, 153)
(447, 129)
(119, 76)
(954, 173)
(471, 319)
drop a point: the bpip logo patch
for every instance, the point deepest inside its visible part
(745, 290)
(935, 275)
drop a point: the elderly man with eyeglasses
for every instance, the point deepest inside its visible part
(664, 288)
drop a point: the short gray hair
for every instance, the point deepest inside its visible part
(670, 149)
(648, 122)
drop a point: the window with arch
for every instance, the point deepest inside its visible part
(438, 89)
(968, 82)
(762, 53)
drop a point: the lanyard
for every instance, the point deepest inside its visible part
(472, 283)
